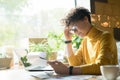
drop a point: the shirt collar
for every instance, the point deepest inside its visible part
(92, 33)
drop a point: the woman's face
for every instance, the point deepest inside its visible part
(80, 28)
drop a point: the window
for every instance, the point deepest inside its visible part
(84, 3)
(30, 18)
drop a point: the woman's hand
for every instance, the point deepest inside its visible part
(67, 33)
(59, 67)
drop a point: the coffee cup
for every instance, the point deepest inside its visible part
(109, 72)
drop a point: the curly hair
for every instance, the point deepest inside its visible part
(76, 15)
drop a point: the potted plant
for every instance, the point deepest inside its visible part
(43, 47)
(53, 44)
(5, 62)
(25, 61)
(56, 42)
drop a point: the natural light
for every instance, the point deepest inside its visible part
(23, 19)
(35, 6)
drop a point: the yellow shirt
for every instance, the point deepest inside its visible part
(97, 48)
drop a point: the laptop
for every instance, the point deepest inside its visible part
(37, 64)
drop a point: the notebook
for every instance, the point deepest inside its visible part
(37, 64)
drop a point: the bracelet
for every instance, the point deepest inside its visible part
(68, 41)
(70, 70)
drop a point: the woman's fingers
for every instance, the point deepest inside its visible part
(53, 62)
(56, 64)
(58, 67)
(67, 33)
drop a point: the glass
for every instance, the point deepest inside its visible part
(32, 19)
(73, 30)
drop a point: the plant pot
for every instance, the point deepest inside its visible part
(5, 62)
(52, 56)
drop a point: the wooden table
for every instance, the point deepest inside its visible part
(21, 74)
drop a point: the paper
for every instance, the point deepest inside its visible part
(42, 75)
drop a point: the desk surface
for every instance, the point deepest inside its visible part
(15, 74)
(21, 74)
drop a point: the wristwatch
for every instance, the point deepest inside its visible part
(70, 70)
(68, 41)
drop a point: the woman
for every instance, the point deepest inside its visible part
(97, 48)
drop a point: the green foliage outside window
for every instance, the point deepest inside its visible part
(76, 41)
(11, 5)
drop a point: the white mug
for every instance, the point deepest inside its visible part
(109, 72)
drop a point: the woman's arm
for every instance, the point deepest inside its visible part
(62, 69)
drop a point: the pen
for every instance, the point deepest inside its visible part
(42, 58)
